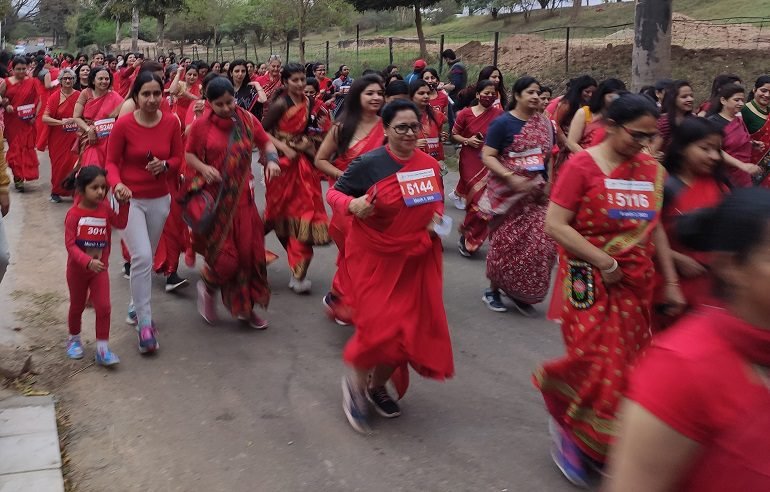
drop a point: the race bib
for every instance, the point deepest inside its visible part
(433, 146)
(532, 160)
(630, 199)
(104, 127)
(419, 187)
(92, 233)
(70, 127)
(26, 112)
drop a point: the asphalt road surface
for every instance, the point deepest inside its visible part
(225, 408)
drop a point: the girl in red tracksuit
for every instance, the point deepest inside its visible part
(87, 234)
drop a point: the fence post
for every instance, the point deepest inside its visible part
(288, 41)
(302, 53)
(390, 50)
(232, 48)
(497, 46)
(566, 53)
(327, 55)
(358, 39)
(441, 58)
(271, 49)
(256, 55)
(246, 51)
(207, 54)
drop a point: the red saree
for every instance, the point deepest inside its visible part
(396, 286)
(737, 143)
(61, 139)
(20, 129)
(294, 207)
(473, 174)
(604, 329)
(431, 132)
(235, 249)
(104, 108)
(339, 226)
(270, 86)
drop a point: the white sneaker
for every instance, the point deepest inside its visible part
(458, 202)
(300, 286)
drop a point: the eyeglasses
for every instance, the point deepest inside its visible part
(403, 128)
(640, 137)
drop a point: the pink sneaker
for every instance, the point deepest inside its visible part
(254, 321)
(206, 305)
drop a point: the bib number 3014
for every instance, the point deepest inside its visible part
(419, 187)
(630, 199)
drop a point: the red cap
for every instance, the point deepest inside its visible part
(420, 64)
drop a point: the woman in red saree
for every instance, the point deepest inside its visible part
(294, 207)
(678, 103)
(271, 82)
(737, 145)
(96, 109)
(21, 101)
(470, 130)
(580, 91)
(219, 147)
(46, 83)
(604, 214)
(359, 130)
(62, 134)
(755, 114)
(394, 259)
(587, 127)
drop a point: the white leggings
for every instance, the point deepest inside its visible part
(146, 219)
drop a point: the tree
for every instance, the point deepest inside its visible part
(362, 5)
(52, 16)
(14, 12)
(575, 9)
(160, 9)
(651, 57)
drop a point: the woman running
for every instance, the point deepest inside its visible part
(248, 95)
(82, 73)
(521, 255)
(439, 100)
(185, 92)
(588, 124)
(579, 94)
(491, 73)
(394, 259)
(342, 82)
(219, 146)
(294, 207)
(604, 214)
(143, 146)
(359, 130)
(430, 137)
(95, 112)
(755, 114)
(677, 105)
(695, 418)
(470, 131)
(720, 81)
(62, 135)
(45, 84)
(22, 103)
(271, 81)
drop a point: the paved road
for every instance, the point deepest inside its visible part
(228, 409)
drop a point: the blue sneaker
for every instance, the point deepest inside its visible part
(355, 406)
(74, 348)
(131, 318)
(567, 457)
(492, 300)
(148, 339)
(106, 358)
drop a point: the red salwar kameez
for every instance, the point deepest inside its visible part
(61, 140)
(20, 129)
(294, 207)
(473, 174)
(235, 249)
(396, 272)
(339, 226)
(102, 110)
(604, 328)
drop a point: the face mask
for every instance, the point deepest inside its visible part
(433, 85)
(487, 101)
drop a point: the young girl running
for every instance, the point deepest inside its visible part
(87, 232)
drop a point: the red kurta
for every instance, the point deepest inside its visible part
(61, 140)
(20, 128)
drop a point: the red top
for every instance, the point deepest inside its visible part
(698, 378)
(431, 131)
(87, 233)
(127, 154)
(441, 103)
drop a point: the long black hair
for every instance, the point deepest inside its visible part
(669, 102)
(39, 65)
(690, 131)
(722, 80)
(391, 109)
(95, 71)
(630, 107)
(574, 97)
(609, 86)
(485, 74)
(353, 112)
(725, 92)
(414, 86)
(81, 177)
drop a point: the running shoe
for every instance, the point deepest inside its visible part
(55, 198)
(567, 456)
(174, 282)
(300, 286)
(18, 183)
(254, 321)
(127, 270)
(148, 339)
(207, 307)
(492, 300)
(131, 318)
(524, 309)
(74, 348)
(457, 201)
(462, 248)
(355, 407)
(333, 308)
(107, 358)
(383, 403)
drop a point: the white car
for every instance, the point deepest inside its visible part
(19, 49)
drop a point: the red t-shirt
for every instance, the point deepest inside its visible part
(441, 103)
(431, 131)
(87, 233)
(127, 154)
(695, 380)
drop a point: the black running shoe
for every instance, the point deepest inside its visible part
(383, 403)
(55, 198)
(524, 308)
(462, 248)
(127, 270)
(18, 183)
(174, 281)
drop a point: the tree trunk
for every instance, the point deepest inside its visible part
(161, 28)
(117, 31)
(494, 13)
(135, 27)
(651, 58)
(420, 34)
(575, 9)
(301, 34)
